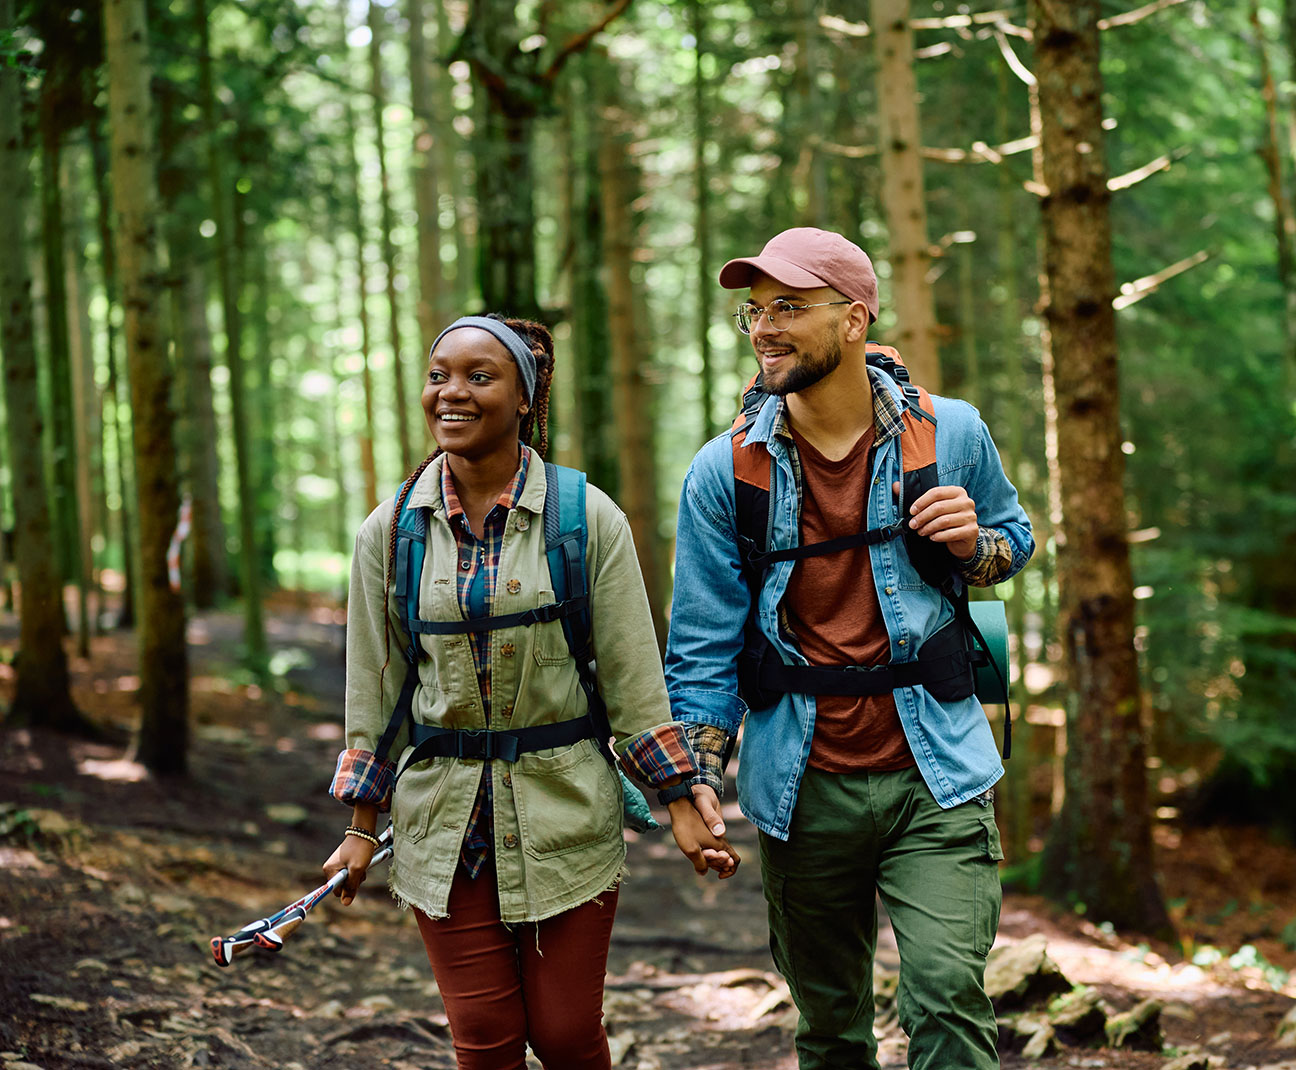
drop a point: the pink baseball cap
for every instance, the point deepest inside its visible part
(806, 258)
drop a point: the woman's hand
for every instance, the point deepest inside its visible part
(355, 855)
(705, 848)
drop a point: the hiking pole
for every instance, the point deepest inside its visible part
(269, 933)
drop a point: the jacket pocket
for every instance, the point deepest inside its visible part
(415, 797)
(549, 643)
(565, 801)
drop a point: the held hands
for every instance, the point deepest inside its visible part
(355, 854)
(699, 832)
(945, 515)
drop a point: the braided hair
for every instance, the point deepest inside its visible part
(537, 336)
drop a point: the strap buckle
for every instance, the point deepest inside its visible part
(482, 744)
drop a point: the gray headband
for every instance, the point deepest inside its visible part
(513, 342)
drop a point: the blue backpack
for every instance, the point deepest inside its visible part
(566, 536)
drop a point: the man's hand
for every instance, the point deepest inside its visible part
(699, 832)
(945, 515)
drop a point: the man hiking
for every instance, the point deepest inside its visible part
(823, 552)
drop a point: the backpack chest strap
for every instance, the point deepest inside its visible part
(545, 614)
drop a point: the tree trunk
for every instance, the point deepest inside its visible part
(86, 438)
(1099, 851)
(902, 193)
(210, 581)
(1016, 807)
(367, 463)
(116, 429)
(631, 395)
(253, 249)
(250, 575)
(810, 177)
(434, 293)
(591, 338)
(450, 143)
(1284, 222)
(388, 245)
(509, 97)
(164, 674)
(705, 282)
(41, 688)
(63, 452)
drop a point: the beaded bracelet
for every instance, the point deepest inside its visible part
(363, 834)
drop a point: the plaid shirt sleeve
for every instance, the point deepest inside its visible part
(712, 745)
(991, 561)
(658, 755)
(363, 777)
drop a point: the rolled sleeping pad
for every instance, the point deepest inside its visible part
(991, 619)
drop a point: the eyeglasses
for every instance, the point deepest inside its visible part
(779, 312)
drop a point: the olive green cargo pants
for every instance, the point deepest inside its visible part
(857, 834)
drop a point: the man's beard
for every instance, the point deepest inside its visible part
(808, 368)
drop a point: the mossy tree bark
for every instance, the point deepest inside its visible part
(1099, 851)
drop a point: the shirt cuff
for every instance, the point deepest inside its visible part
(712, 745)
(659, 754)
(363, 777)
(990, 562)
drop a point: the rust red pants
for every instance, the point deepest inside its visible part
(539, 983)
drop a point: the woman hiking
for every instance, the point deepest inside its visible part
(507, 819)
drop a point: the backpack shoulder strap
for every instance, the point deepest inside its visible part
(566, 538)
(411, 548)
(752, 475)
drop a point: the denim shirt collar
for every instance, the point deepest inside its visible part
(888, 409)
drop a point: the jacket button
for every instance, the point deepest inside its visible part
(523, 522)
(514, 586)
(507, 711)
(890, 591)
(465, 565)
(508, 780)
(903, 642)
(507, 649)
(510, 840)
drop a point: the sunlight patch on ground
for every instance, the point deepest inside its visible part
(328, 731)
(14, 859)
(1132, 967)
(122, 770)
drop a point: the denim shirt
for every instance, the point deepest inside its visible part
(951, 742)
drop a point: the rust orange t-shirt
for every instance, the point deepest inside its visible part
(832, 609)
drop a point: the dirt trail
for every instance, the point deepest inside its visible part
(112, 884)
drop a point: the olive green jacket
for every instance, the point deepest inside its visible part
(557, 817)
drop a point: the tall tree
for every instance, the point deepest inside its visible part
(434, 294)
(116, 428)
(632, 401)
(164, 672)
(702, 225)
(516, 86)
(85, 431)
(1099, 851)
(903, 195)
(41, 687)
(386, 225)
(59, 103)
(250, 574)
(356, 211)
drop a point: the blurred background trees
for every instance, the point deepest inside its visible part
(337, 179)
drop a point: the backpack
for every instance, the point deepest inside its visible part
(968, 656)
(566, 536)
